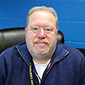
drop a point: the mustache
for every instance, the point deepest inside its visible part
(44, 40)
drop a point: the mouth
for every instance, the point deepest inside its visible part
(41, 43)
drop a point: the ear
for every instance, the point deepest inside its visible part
(56, 31)
(25, 30)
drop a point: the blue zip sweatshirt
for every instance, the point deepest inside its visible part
(67, 67)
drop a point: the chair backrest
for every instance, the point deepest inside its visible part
(12, 36)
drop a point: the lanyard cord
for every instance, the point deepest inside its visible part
(31, 76)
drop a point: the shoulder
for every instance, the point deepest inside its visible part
(10, 52)
(72, 51)
(75, 57)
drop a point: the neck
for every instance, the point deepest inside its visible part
(41, 61)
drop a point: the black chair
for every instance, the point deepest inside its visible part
(82, 50)
(12, 36)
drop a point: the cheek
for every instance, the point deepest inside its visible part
(53, 39)
(30, 37)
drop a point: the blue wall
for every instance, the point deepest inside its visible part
(71, 15)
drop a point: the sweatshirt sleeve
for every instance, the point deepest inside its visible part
(2, 70)
(82, 72)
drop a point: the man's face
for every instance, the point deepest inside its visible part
(41, 33)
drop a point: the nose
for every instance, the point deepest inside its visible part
(41, 34)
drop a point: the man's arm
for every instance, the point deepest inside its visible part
(82, 72)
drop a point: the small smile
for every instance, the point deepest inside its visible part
(41, 42)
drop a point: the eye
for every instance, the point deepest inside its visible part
(35, 28)
(48, 29)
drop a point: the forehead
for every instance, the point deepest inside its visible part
(42, 15)
(41, 12)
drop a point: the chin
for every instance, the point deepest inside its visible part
(40, 53)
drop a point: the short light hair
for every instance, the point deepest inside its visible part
(50, 9)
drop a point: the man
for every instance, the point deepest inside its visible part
(41, 60)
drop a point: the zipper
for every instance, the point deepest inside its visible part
(38, 77)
